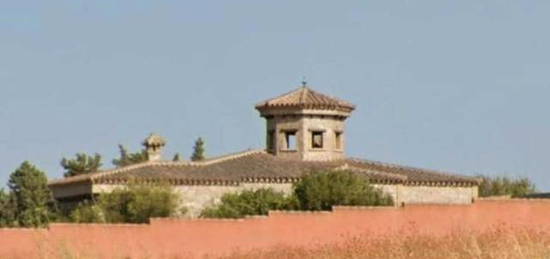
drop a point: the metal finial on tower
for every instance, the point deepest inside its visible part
(304, 82)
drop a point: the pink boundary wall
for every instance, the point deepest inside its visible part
(167, 238)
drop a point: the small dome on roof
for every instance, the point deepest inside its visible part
(154, 140)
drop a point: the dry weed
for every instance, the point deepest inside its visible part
(500, 242)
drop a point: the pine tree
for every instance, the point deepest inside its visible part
(127, 159)
(82, 164)
(31, 196)
(7, 209)
(177, 157)
(198, 150)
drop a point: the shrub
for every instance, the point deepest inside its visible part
(316, 191)
(322, 190)
(87, 212)
(249, 202)
(7, 209)
(152, 201)
(136, 203)
(497, 186)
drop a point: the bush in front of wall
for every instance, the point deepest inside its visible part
(322, 190)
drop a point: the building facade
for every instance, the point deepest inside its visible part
(305, 132)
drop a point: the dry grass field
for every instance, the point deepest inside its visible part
(498, 243)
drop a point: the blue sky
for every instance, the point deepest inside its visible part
(461, 86)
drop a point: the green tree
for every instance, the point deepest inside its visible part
(135, 204)
(7, 209)
(31, 195)
(82, 164)
(499, 186)
(322, 190)
(127, 159)
(249, 202)
(177, 157)
(198, 150)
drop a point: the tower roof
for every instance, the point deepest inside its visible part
(306, 98)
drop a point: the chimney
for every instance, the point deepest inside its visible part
(153, 145)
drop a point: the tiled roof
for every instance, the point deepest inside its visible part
(259, 166)
(304, 97)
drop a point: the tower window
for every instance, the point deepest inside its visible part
(290, 138)
(317, 139)
(338, 139)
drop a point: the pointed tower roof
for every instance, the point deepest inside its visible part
(306, 98)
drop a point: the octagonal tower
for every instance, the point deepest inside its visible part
(306, 125)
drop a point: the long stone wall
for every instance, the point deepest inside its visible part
(436, 195)
(403, 194)
(390, 189)
(196, 197)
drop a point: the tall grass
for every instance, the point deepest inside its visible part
(498, 243)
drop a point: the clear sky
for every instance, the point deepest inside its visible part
(461, 86)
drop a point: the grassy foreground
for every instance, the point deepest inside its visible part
(498, 243)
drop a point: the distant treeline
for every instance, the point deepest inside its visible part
(501, 186)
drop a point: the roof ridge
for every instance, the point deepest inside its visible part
(231, 156)
(328, 96)
(266, 102)
(211, 161)
(303, 94)
(94, 175)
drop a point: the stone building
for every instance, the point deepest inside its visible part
(305, 132)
